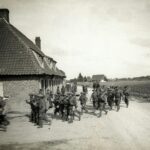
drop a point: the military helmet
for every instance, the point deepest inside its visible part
(40, 95)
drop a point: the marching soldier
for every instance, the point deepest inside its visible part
(41, 110)
(102, 101)
(83, 100)
(126, 95)
(63, 90)
(56, 104)
(73, 107)
(74, 88)
(84, 89)
(32, 103)
(61, 105)
(49, 98)
(110, 98)
(58, 90)
(66, 106)
(94, 99)
(94, 86)
(118, 95)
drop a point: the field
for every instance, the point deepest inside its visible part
(137, 88)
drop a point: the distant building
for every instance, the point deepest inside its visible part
(89, 79)
(99, 78)
(24, 68)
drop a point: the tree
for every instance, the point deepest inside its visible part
(80, 78)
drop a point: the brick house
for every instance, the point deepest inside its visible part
(99, 78)
(24, 68)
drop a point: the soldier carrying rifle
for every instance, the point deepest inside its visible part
(73, 107)
(32, 102)
(83, 100)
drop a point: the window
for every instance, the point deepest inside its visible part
(39, 58)
(49, 62)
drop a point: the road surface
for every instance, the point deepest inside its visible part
(128, 129)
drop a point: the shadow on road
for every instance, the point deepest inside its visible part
(34, 146)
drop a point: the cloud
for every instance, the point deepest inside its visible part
(143, 42)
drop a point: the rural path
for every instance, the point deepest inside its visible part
(128, 129)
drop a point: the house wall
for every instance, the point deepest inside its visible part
(57, 82)
(18, 91)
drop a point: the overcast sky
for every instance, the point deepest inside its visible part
(110, 37)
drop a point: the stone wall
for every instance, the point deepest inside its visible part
(18, 91)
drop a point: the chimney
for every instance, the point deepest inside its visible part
(4, 13)
(38, 42)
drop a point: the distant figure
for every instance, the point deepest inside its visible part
(118, 95)
(101, 101)
(126, 95)
(97, 85)
(110, 97)
(84, 88)
(94, 98)
(33, 104)
(94, 86)
(74, 88)
(41, 91)
(41, 110)
(58, 90)
(73, 107)
(68, 87)
(63, 90)
(83, 100)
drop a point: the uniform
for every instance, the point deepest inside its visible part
(118, 95)
(58, 90)
(31, 102)
(74, 89)
(62, 90)
(66, 106)
(102, 101)
(61, 105)
(94, 99)
(110, 98)
(73, 107)
(49, 98)
(83, 100)
(126, 96)
(56, 104)
(41, 110)
(85, 90)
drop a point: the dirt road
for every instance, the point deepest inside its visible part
(128, 129)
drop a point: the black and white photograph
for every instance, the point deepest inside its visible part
(74, 74)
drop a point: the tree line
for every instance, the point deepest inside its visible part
(81, 78)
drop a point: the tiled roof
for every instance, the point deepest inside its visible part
(16, 53)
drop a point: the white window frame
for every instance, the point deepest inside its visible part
(41, 64)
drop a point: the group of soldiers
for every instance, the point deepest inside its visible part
(40, 104)
(65, 103)
(110, 96)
